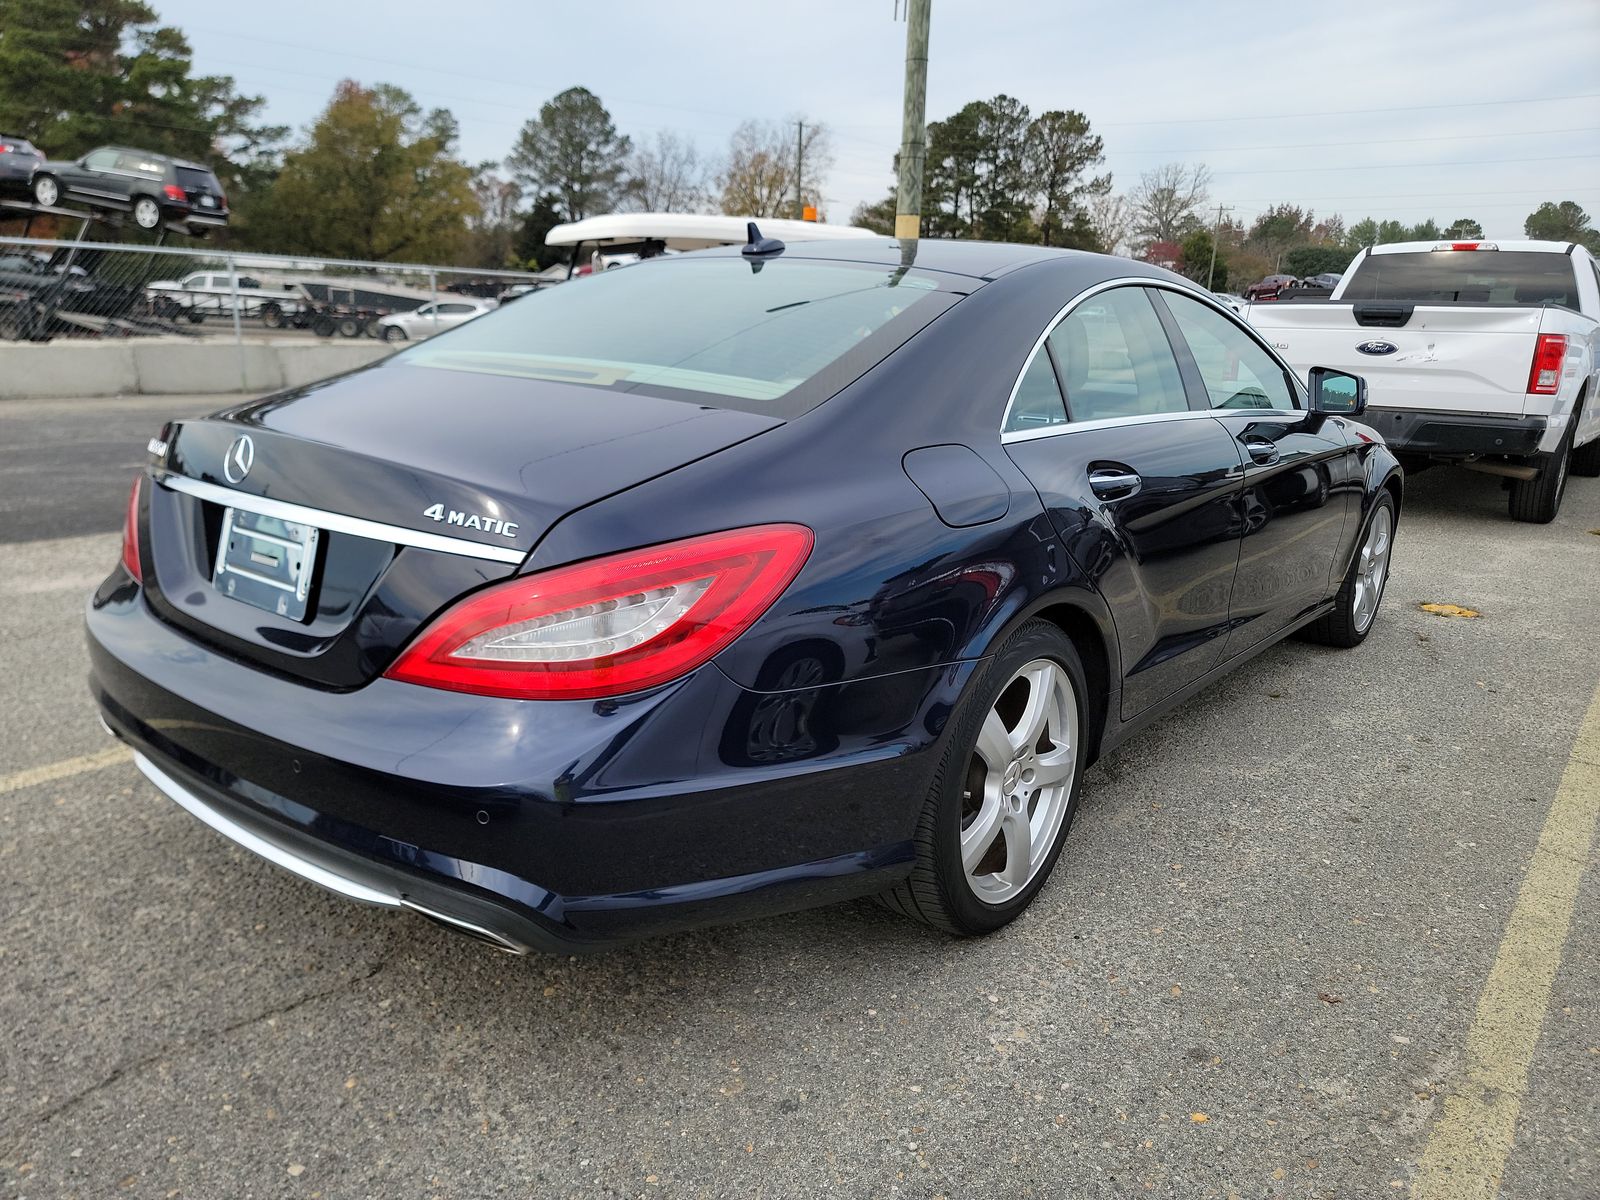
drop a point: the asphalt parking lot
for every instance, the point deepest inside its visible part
(1256, 972)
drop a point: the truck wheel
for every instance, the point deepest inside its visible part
(1356, 606)
(349, 327)
(271, 316)
(1537, 500)
(322, 326)
(194, 316)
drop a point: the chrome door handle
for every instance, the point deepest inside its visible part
(1261, 450)
(1111, 484)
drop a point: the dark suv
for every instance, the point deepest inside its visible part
(18, 159)
(153, 187)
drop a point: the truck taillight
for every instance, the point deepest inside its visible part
(1465, 246)
(1544, 377)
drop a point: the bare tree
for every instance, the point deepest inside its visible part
(666, 176)
(1110, 219)
(493, 227)
(758, 179)
(1166, 204)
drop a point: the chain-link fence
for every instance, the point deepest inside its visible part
(65, 290)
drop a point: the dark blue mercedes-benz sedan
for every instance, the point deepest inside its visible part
(730, 583)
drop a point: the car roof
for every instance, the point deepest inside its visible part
(155, 154)
(692, 231)
(979, 260)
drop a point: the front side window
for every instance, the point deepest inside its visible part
(1115, 360)
(715, 330)
(1237, 372)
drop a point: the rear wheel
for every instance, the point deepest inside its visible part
(146, 213)
(994, 822)
(46, 191)
(322, 325)
(349, 327)
(195, 316)
(271, 316)
(1537, 500)
(1356, 606)
(1586, 459)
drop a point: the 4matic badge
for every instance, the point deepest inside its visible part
(438, 512)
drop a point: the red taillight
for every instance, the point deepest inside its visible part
(1463, 245)
(130, 533)
(174, 192)
(609, 626)
(1544, 377)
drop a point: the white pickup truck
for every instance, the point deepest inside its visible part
(1476, 353)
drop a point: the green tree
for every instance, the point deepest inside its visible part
(877, 217)
(1563, 222)
(1363, 233)
(75, 74)
(1278, 230)
(1058, 152)
(1463, 227)
(1393, 231)
(1317, 260)
(1426, 231)
(492, 226)
(537, 223)
(377, 178)
(1196, 261)
(573, 149)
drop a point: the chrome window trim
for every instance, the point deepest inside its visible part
(1106, 285)
(377, 531)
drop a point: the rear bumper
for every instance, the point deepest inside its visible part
(545, 826)
(1456, 435)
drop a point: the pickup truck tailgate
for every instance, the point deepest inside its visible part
(1454, 358)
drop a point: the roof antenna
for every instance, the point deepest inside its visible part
(757, 246)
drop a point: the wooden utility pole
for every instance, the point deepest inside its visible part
(799, 170)
(914, 128)
(1215, 227)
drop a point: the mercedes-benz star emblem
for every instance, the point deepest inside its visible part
(240, 458)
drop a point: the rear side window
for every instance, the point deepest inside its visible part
(716, 330)
(140, 164)
(1038, 403)
(1115, 359)
(1466, 277)
(1237, 372)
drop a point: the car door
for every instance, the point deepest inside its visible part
(1302, 474)
(91, 177)
(452, 314)
(1142, 487)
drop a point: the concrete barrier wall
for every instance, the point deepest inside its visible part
(157, 367)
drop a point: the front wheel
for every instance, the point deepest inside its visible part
(46, 191)
(994, 822)
(393, 333)
(1356, 606)
(146, 213)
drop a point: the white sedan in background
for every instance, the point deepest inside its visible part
(429, 319)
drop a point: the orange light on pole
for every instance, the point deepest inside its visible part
(809, 213)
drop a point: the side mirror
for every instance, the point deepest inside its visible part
(1337, 393)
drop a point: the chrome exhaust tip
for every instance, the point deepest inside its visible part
(466, 928)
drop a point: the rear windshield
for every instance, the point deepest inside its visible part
(719, 330)
(191, 180)
(1466, 277)
(18, 146)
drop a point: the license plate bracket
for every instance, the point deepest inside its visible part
(266, 562)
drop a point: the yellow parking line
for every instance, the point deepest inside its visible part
(63, 770)
(1467, 1150)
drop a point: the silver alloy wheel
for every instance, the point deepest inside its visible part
(46, 191)
(1373, 569)
(146, 213)
(1019, 781)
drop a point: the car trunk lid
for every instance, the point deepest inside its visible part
(421, 483)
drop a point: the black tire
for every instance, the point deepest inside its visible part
(322, 325)
(271, 316)
(146, 212)
(937, 892)
(194, 315)
(1586, 459)
(1342, 627)
(393, 333)
(46, 191)
(13, 324)
(349, 327)
(1538, 500)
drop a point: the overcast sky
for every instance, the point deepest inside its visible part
(1402, 108)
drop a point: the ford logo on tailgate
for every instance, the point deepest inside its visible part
(1377, 347)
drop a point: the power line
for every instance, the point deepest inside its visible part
(1389, 110)
(1479, 162)
(1461, 137)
